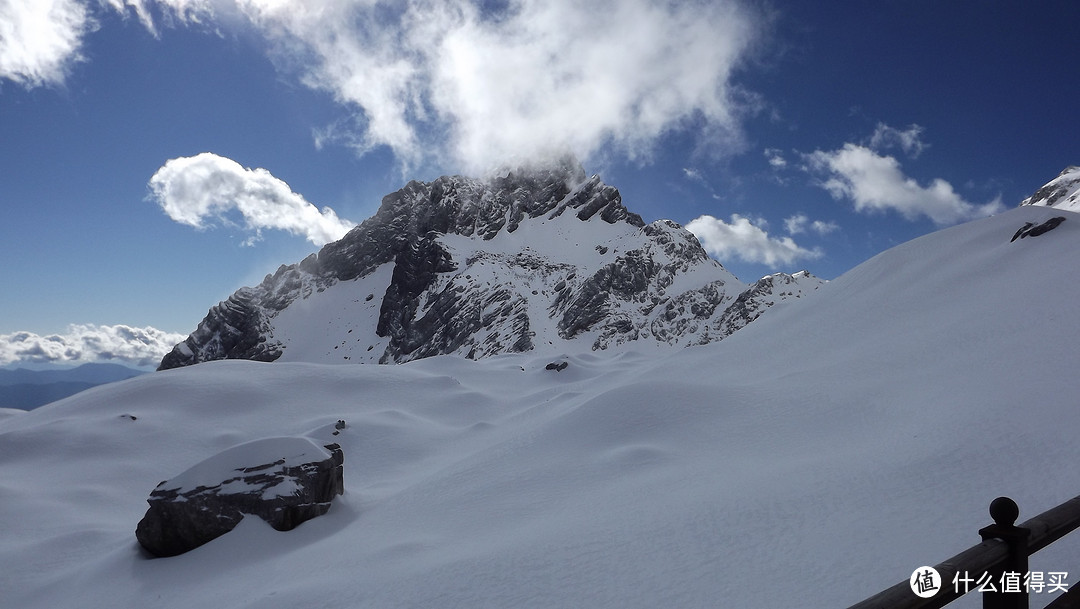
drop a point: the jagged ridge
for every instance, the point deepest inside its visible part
(527, 260)
(1063, 192)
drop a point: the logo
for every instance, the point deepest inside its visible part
(925, 582)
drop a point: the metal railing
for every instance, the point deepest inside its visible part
(1002, 556)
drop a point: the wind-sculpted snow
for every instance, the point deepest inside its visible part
(535, 259)
(810, 459)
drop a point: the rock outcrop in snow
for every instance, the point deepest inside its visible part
(529, 260)
(284, 481)
(1030, 229)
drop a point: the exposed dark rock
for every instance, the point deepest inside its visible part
(414, 271)
(1060, 191)
(233, 329)
(1030, 229)
(284, 481)
(557, 366)
(627, 278)
(689, 310)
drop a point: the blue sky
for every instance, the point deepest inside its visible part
(787, 135)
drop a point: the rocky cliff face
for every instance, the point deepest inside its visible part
(534, 259)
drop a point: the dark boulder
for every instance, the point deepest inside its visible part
(284, 481)
(1030, 229)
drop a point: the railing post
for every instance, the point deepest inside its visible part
(1013, 571)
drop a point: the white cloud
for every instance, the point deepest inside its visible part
(182, 11)
(192, 190)
(462, 80)
(876, 183)
(776, 158)
(555, 75)
(800, 223)
(41, 39)
(908, 140)
(744, 240)
(695, 175)
(90, 343)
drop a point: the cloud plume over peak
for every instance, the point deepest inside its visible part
(84, 343)
(467, 82)
(533, 78)
(193, 190)
(567, 75)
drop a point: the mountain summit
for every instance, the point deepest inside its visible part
(1063, 192)
(529, 260)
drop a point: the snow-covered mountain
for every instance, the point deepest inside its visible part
(810, 459)
(535, 260)
(1063, 192)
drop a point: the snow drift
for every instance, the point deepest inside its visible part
(810, 459)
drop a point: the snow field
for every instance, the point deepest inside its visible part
(809, 460)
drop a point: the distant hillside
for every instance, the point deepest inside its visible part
(27, 389)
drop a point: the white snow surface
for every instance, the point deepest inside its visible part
(335, 325)
(282, 453)
(811, 459)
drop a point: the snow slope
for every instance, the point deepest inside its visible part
(811, 459)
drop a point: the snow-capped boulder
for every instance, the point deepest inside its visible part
(284, 481)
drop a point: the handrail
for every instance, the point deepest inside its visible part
(982, 558)
(990, 556)
(1053, 524)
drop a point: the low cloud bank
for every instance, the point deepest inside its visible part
(85, 343)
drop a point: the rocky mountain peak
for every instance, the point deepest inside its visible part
(525, 259)
(565, 168)
(1063, 192)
